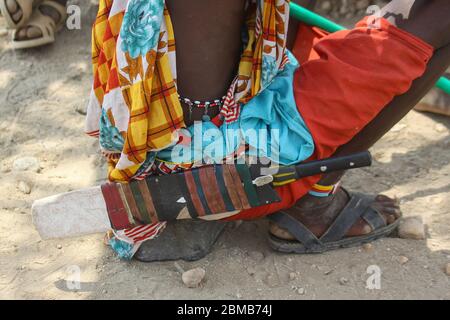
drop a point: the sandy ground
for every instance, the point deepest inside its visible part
(42, 97)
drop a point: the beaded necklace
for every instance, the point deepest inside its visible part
(202, 105)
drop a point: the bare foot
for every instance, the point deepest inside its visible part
(317, 214)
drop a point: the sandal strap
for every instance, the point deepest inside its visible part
(61, 11)
(43, 23)
(358, 206)
(374, 218)
(26, 6)
(345, 220)
(298, 230)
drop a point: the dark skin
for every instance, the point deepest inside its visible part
(316, 213)
(220, 24)
(205, 74)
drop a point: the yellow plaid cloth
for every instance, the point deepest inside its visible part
(134, 106)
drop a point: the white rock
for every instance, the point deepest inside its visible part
(326, 5)
(412, 228)
(301, 291)
(398, 127)
(194, 277)
(26, 164)
(343, 281)
(24, 187)
(439, 127)
(403, 259)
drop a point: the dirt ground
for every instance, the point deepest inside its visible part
(43, 93)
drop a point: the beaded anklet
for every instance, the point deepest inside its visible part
(323, 191)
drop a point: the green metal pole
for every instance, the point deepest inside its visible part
(314, 19)
(444, 84)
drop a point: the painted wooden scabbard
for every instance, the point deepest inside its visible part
(191, 194)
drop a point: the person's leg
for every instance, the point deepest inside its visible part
(429, 21)
(294, 24)
(208, 41)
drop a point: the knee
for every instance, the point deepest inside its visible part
(428, 20)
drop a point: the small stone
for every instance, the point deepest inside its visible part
(251, 271)
(256, 255)
(325, 6)
(403, 259)
(412, 228)
(398, 127)
(328, 271)
(292, 276)
(194, 277)
(80, 110)
(59, 247)
(437, 199)
(27, 164)
(447, 269)
(301, 291)
(362, 4)
(367, 247)
(271, 280)
(439, 127)
(104, 291)
(343, 281)
(238, 295)
(24, 187)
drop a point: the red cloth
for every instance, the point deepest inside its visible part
(345, 80)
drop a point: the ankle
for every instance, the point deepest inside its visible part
(309, 202)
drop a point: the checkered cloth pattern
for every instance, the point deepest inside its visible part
(137, 94)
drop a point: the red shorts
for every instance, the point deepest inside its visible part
(345, 80)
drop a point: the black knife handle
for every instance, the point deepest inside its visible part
(312, 168)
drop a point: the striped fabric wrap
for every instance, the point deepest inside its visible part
(191, 194)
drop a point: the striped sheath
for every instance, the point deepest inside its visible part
(190, 194)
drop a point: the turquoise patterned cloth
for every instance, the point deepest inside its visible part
(141, 26)
(269, 123)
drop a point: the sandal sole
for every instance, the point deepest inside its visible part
(286, 246)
